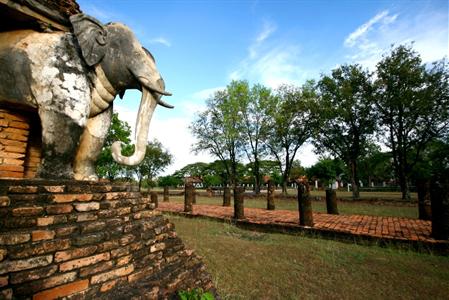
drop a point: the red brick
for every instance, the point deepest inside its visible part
(157, 247)
(3, 254)
(14, 238)
(4, 201)
(3, 281)
(64, 198)
(23, 189)
(25, 264)
(124, 260)
(6, 294)
(59, 209)
(140, 274)
(48, 220)
(86, 217)
(87, 206)
(64, 231)
(100, 278)
(82, 262)
(75, 253)
(27, 211)
(35, 274)
(34, 249)
(39, 235)
(109, 285)
(55, 188)
(100, 267)
(63, 290)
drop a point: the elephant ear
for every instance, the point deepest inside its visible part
(92, 37)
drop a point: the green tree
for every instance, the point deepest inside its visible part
(347, 117)
(255, 126)
(218, 128)
(326, 170)
(412, 101)
(106, 165)
(170, 181)
(155, 161)
(292, 122)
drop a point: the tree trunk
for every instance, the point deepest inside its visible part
(405, 188)
(270, 195)
(424, 205)
(226, 196)
(238, 202)
(153, 197)
(166, 194)
(189, 191)
(354, 180)
(331, 202)
(304, 205)
(439, 195)
(256, 174)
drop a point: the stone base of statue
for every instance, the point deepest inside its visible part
(89, 240)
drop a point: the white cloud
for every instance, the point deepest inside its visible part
(427, 30)
(160, 40)
(269, 61)
(381, 18)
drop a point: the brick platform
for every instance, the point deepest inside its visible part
(89, 240)
(358, 226)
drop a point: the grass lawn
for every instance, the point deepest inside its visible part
(250, 265)
(345, 207)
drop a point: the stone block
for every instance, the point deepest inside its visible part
(100, 267)
(39, 235)
(86, 217)
(63, 290)
(18, 189)
(66, 198)
(103, 277)
(74, 253)
(14, 238)
(87, 206)
(92, 227)
(27, 211)
(25, 264)
(66, 230)
(4, 201)
(29, 250)
(59, 209)
(82, 262)
(25, 276)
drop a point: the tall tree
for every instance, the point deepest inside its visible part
(254, 127)
(348, 120)
(218, 128)
(292, 122)
(413, 105)
(155, 161)
(106, 165)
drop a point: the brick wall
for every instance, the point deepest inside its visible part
(89, 241)
(20, 144)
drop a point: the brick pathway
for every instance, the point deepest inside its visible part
(386, 228)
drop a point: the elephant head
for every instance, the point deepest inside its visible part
(117, 56)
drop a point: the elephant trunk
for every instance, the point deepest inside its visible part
(146, 109)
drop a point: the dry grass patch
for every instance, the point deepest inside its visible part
(251, 265)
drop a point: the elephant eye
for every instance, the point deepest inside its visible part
(149, 54)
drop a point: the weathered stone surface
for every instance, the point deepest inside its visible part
(112, 274)
(25, 264)
(39, 235)
(100, 267)
(87, 206)
(74, 253)
(105, 253)
(14, 238)
(23, 189)
(63, 290)
(28, 250)
(65, 198)
(4, 201)
(31, 275)
(82, 262)
(59, 209)
(27, 211)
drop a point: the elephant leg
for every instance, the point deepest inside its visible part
(60, 136)
(91, 143)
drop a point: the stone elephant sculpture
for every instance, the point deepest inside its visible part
(71, 79)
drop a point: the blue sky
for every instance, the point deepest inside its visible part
(200, 46)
